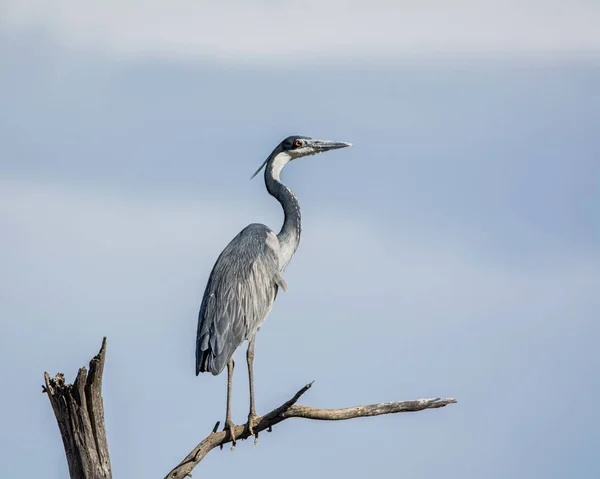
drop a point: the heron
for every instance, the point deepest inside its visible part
(248, 274)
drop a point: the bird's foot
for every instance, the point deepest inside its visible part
(251, 426)
(229, 427)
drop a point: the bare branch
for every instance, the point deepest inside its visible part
(288, 410)
(79, 412)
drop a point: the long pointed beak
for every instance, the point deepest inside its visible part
(326, 145)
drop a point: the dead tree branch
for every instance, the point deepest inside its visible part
(289, 410)
(79, 411)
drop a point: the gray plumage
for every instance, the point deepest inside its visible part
(247, 276)
(240, 293)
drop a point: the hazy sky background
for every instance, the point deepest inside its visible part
(453, 251)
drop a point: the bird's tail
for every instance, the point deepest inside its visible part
(203, 361)
(208, 362)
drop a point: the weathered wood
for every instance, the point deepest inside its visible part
(289, 410)
(79, 412)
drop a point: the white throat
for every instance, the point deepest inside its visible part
(280, 160)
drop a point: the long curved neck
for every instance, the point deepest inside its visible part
(289, 236)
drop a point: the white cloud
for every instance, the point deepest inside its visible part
(290, 31)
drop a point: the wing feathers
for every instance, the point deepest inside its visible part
(240, 293)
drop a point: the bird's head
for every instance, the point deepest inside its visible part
(294, 147)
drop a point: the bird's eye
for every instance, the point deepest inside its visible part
(297, 143)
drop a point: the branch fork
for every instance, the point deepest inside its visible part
(288, 410)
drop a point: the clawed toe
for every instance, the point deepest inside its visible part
(252, 426)
(230, 427)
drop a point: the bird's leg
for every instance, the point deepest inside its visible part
(252, 414)
(228, 422)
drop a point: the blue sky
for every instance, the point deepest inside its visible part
(454, 251)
